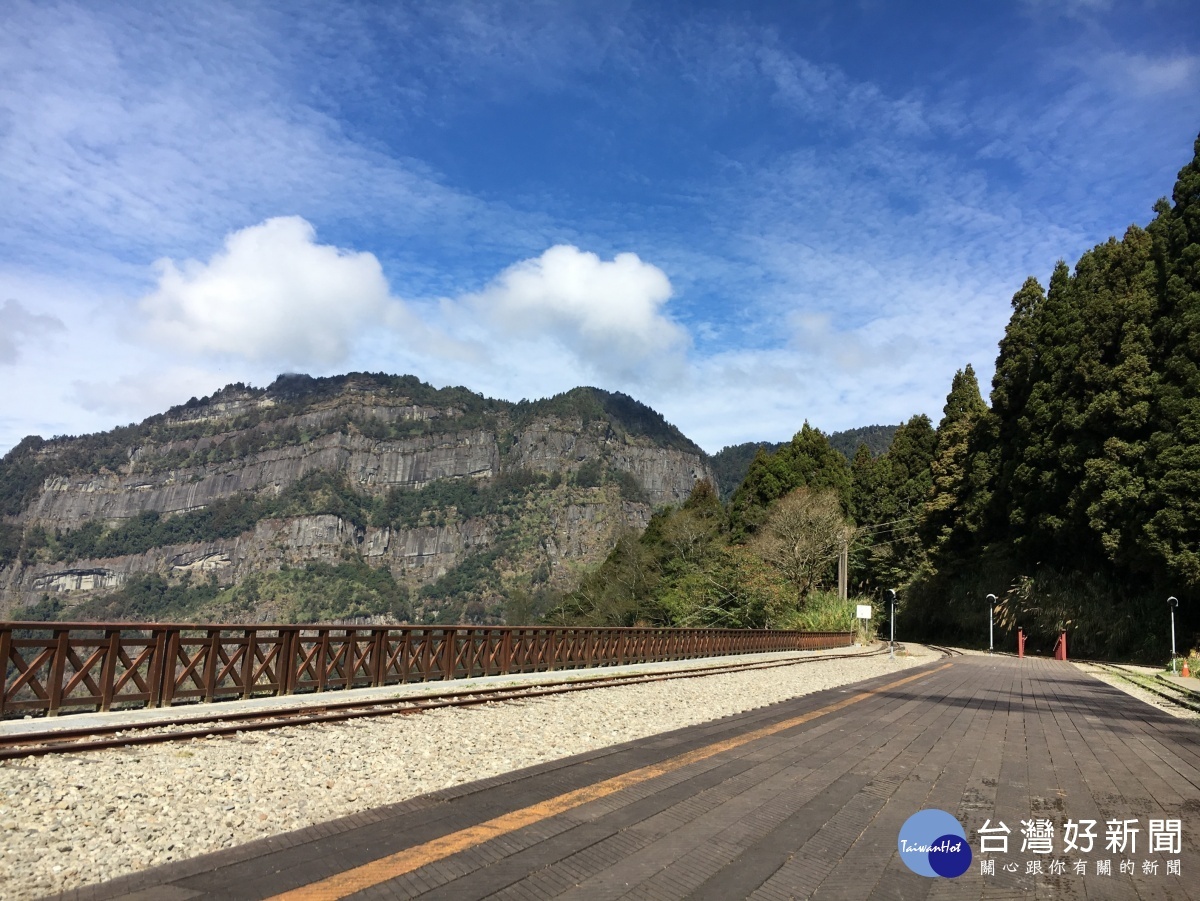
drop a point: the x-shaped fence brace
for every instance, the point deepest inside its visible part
(51, 667)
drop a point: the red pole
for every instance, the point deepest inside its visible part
(1020, 642)
(1060, 647)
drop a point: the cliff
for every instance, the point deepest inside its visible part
(461, 499)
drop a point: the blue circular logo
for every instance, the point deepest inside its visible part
(933, 843)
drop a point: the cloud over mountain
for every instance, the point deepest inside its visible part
(271, 293)
(609, 313)
(18, 324)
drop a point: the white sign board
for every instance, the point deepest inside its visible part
(864, 611)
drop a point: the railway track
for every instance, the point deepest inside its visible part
(1160, 688)
(949, 652)
(94, 738)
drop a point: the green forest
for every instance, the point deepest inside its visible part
(730, 464)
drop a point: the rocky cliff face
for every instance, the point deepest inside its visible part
(590, 465)
(66, 501)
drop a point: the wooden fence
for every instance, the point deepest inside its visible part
(53, 667)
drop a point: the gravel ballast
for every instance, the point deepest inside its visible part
(77, 819)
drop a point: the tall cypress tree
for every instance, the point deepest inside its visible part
(1012, 386)
(868, 474)
(807, 460)
(1172, 530)
(1042, 459)
(889, 498)
(1116, 287)
(944, 512)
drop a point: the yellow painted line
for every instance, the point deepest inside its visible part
(354, 880)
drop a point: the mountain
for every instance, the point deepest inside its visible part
(314, 498)
(732, 463)
(877, 438)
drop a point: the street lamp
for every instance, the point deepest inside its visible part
(991, 599)
(1173, 602)
(891, 597)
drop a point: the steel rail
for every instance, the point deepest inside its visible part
(1180, 698)
(229, 723)
(949, 652)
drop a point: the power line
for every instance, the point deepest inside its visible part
(884, 531)
(889, 541)
(889, 522)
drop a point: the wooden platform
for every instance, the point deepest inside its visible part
(804, 799)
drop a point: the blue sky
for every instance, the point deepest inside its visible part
(744, 217)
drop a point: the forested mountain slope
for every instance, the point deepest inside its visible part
(733, 462)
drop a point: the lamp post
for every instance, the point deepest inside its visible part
(991, 599)
(891, 597)
(1172, 602)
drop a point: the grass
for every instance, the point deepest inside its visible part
(823, 611)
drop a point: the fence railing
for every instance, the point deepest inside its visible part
(54, 667)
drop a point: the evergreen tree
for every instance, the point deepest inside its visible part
(1116, 287)
(909, 462)
(1171, 533)
(888, 497)
(949, 469)
(1037, 494)
(807, 460)
(868, 474)
(1012, 386)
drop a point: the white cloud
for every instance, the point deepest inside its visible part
(138, 394)
(850, 351)
(17, 322)
(608, 313)
(1154, 75)
(272, 293)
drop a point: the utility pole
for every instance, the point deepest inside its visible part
(991, 599)
(891, 595)
(1172, 602)
(844, 569)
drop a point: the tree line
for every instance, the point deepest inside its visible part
(1074, 496)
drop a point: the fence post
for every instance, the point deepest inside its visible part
(108, 670)
(286, 659)
(5, 651)
(248, 662)
(379, 660)
(449, 648)
(323, 660)
(405, 654)
(1060, 647)
(158, 664)
(352, 658)
(58, 669)
(210, 664)
(506, 650)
